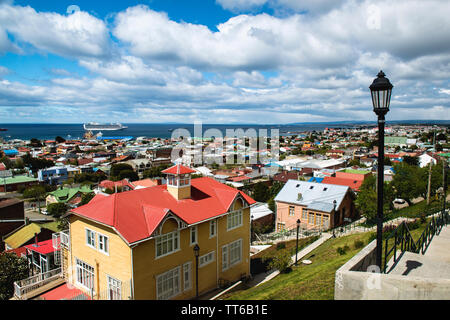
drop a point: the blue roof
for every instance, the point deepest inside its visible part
(10, 152)
(115, 138)
(314, 179)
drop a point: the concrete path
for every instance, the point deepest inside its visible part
(435, 263)
(264, 277)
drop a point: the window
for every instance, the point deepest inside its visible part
(235, 249)
(103, 245)
(168, 284)
(326, 222)
(231, 254)
(224, 258)
(167, 243)
(212, 228)
(311, 218)
(85, 274)
(90, 238)
(206, 259)
(318, 219)
(291, 210)
(193, 238)
(187, 271)
(114, 289)
(234, 220)
(304, 214)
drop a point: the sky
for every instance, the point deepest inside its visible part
(221, 61)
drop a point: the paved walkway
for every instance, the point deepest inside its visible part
(264, 277)
(434, 263)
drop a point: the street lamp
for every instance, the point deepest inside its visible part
(296, 248)
(196, 252)
(334, 220)
(381, 90)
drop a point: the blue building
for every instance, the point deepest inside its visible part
(53, 175)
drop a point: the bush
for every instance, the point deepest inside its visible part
(358, 244)
(281, 262)
(56, 209)
(281, 245)
(343, 250)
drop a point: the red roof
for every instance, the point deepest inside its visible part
(63, 292)
(178, 169)
(18, 251)
(136, 214)
(108, 184)
(354, 184)
(43, 247)
(239, 178)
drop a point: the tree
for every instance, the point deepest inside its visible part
(128, 174)
(36, 193)
(409, 182)
(261, 192)
(85, 198)
(56, 209)
(366, 200)
(155, 171)
(12, 268)
(59, 139)
(412, 161)
(117, 168)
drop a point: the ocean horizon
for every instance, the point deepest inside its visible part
(48, 131)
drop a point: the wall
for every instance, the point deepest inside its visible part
(353, 282)
(117, 264)
(146, 268)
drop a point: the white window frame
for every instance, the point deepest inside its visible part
(175, 235)
(230, 249)
(224, 257)
(193, 230)
(175, 279)
(187, 276)
(234, 220)
(212, 227)
(102, 243)
(227, 254)
(206, 259)
(114, 285)
(93, 237)
(85, 275)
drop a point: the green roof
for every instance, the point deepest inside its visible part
(356, 171)
(18, 179)
(26, 232)
(65, 194)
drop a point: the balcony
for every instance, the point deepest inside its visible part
(35, 285)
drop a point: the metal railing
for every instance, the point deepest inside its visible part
(404, 241)
(22, 287)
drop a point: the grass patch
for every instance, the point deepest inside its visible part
(307, 282)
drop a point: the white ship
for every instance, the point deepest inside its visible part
(94, 126)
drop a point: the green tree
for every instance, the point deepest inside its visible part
(12, 268)
(59, 139)
(85, 198)
(57, 209)
(36, 193)
(409, 182)
(117, 168)
(261, 192)
(128, 174)
(412, 161)
(155, 171)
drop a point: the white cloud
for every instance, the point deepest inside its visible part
(75, 35)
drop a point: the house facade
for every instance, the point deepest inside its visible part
(316, 205)
(140, 244)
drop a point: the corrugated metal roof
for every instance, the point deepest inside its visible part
(315, 196)
(24, 234)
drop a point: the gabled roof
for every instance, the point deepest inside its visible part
(22, 235)
(178, 169)
(136, 214)
(316, 196)
(43, 247)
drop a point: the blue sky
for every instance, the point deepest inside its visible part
(221, 61)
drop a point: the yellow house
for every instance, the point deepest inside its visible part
(140, 244)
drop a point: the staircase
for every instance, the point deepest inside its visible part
(434, 263)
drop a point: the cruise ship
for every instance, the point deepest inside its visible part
(103, 127)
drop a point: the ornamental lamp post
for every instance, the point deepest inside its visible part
(334, 219)
(296, 248)
(196, 253)
(381, 90)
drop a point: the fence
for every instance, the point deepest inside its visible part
(287, 234)
(22, 287)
